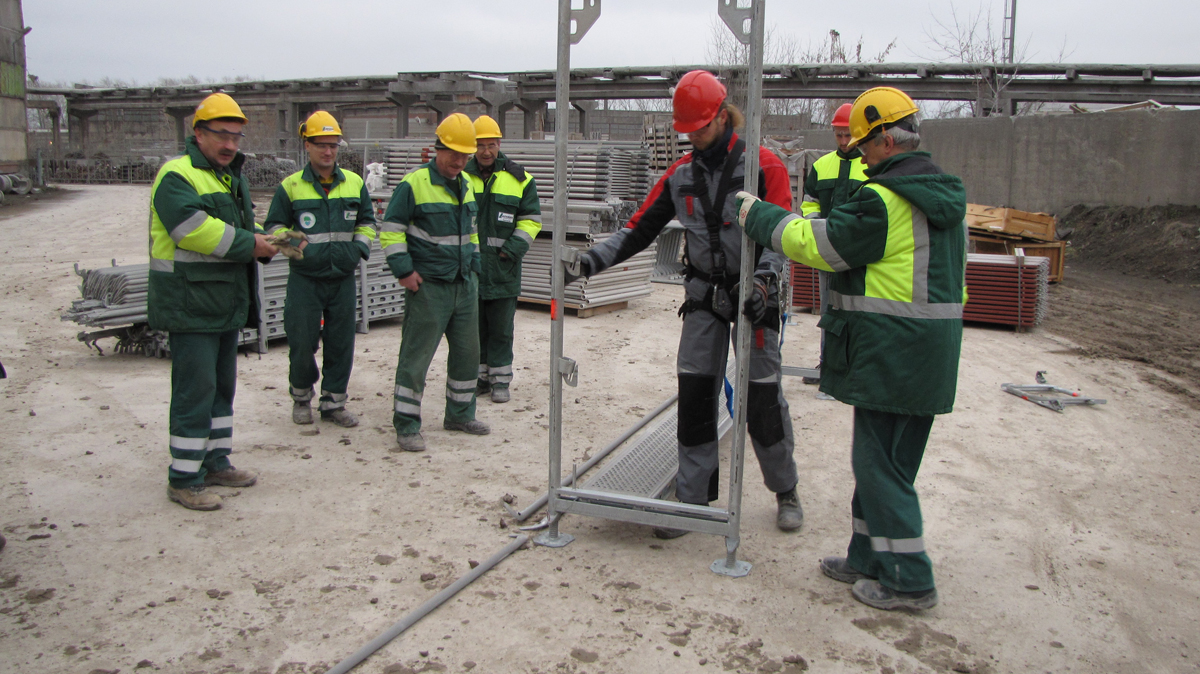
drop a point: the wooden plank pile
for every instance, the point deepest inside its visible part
(1007, 289)
(1007, 231)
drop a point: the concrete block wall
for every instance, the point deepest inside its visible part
(1051, 162)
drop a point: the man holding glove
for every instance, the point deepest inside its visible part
(699, 191)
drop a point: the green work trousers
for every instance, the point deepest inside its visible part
(203, 379)
(496, 340)
(887, 542)
(308, 301)
(438, 308)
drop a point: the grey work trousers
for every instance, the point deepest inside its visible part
(703, 350)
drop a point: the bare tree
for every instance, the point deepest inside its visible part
(975, 39)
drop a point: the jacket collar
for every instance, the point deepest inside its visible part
(455, 187)
(474, 169)
(311, 176)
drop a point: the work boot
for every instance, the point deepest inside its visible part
(840, 570)
(411, 442)
(474, 427)
(301, 413)
(231, 477)
(500, 394)
(791, 515)
(667, 533)
(482, 387)
(2, 541)
(813, 380)
(195, 498)
(876, 595)
(341, 416)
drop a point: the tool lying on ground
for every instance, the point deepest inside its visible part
(282, 239)
(1049, 396)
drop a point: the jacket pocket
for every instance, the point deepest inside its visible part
(506, 214)
(209, 291)
(836, 354)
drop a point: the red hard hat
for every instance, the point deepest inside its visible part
(698, 99)
(842, 116)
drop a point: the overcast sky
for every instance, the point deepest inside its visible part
(144, 40)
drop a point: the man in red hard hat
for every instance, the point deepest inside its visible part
(699, 190)
(829, 183)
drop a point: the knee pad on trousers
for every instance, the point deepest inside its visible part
(697, 409)
(714, 485)
(763, 414)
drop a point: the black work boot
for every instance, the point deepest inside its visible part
(876, 595)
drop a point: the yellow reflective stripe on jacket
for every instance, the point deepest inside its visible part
(424, 191)
(892, 277)
(803, 239)
(200, 233)
(898, 284)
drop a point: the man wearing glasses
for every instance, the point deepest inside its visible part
(331, 208)
(202, 241)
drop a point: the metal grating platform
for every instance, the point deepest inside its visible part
(647, 467)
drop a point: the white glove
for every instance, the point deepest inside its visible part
(745, 202)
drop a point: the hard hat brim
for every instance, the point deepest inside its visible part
(465, 149)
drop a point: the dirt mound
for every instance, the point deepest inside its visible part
(1154, 242)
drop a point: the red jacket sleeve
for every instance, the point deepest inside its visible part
(777, 186)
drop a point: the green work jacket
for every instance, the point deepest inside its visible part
(201, 243)
(340, 224)
(830, 182)
(429, 227)
(510, 217)
(898, 248)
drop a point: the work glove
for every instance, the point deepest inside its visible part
(283, 240)
(581, 268)
(755, 306)
(745, 201)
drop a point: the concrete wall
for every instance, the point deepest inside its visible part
(12, 87)
(1049, 163)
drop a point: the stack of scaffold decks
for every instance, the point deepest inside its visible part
(1007, 289)
(596, 170)
(588, 223)
(806, 289)
(384, 297)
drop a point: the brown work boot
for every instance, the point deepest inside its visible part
(474, 427)
(791, 515)
(231, 477)
(411, 442)
(195, 498)
(341, 416)
(301, 413)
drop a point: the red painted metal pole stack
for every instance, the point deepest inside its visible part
(1007, 289)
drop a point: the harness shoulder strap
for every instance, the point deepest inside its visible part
(712, 217)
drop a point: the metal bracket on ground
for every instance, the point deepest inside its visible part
(1051, 397)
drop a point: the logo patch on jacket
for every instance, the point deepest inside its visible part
(505, 217)
(307, 220)
(349, 215)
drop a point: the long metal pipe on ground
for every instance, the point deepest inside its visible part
(569, 480)
(426, 608)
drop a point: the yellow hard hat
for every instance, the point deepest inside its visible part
(486, 127)
(320, 123)
(217, 106)
(457, 133)
(876, 108)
